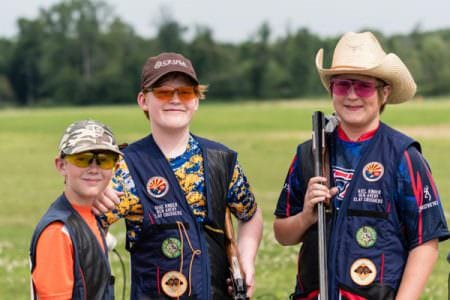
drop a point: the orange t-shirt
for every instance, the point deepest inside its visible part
(53, 275)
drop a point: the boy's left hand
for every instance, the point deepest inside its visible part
(106, 202)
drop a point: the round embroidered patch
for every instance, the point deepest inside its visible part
(373, 171)
(171, 247)
(157, 186)
(174, 284)
(366, 236)
(363, 271)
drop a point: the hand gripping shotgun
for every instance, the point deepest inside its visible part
(237, 276)
(318, 149)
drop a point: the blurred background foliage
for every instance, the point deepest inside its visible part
(79, 52)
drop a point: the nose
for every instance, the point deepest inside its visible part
(93, 166)
(351, 93)
(175, 97)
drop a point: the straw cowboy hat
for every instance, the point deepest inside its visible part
(361, 53)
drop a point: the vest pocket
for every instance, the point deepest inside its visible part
(376, 291)
(368, 255)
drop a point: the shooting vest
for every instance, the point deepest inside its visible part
(367, 249)
(173, 247)
(92, 275)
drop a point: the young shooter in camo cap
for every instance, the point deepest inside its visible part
(176, 186)
(68, 251)
(387, 217)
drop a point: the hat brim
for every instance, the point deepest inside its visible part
(172, 70)
(391, 70)
(93, 147)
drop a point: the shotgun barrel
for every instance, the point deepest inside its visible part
(318, 148)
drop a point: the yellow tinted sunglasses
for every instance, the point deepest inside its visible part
(106, 160)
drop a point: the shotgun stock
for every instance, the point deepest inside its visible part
(237, 276)
(318, 148)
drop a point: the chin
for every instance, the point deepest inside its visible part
(176, 126)
(92, 195)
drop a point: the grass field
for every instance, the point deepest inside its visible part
(264, 133)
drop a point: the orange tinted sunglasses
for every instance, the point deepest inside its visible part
(166, 93)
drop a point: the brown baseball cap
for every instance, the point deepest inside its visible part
(167, 62)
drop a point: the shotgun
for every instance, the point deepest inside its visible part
(318, 148)
(237, 276)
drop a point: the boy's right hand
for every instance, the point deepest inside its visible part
(108, 201)
(316, 192)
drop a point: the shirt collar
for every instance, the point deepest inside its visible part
(363, 137)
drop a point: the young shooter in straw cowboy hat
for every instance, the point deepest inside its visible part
(177, 186)
(386, 215)
(68, 251)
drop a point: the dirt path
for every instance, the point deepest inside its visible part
(429, 132)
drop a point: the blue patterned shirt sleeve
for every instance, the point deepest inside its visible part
(129, 207)
(240, 196)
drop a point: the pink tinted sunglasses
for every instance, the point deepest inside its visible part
(363, 89)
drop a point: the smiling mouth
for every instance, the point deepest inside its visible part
(92, 180)
(174, 110)
(353, 107)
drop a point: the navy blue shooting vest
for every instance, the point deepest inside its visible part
(167, 214)
(92, 275)
(369, 202)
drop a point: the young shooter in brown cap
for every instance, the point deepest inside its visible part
(174, 189)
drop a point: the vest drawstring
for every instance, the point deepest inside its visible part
(195, 252)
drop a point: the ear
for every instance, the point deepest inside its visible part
(386, 92)
(197, 103)
(60, 165)
(142, 101)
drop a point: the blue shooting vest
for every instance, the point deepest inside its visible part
(167, 214)
(92, 275)
(369, 202)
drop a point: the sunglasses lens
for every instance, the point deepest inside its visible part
(186, 93)
(105, 160)
(364, 89)
(81, 160)
(340, 87)
(165, 93)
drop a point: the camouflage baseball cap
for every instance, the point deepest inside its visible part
(87, 135)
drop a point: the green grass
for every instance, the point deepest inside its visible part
(265, 134)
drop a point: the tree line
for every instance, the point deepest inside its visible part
(79, 52)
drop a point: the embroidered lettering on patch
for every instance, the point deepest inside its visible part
(157, 186)
(167, 210)
(168, 62)
(368, 195)
(373, 171)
